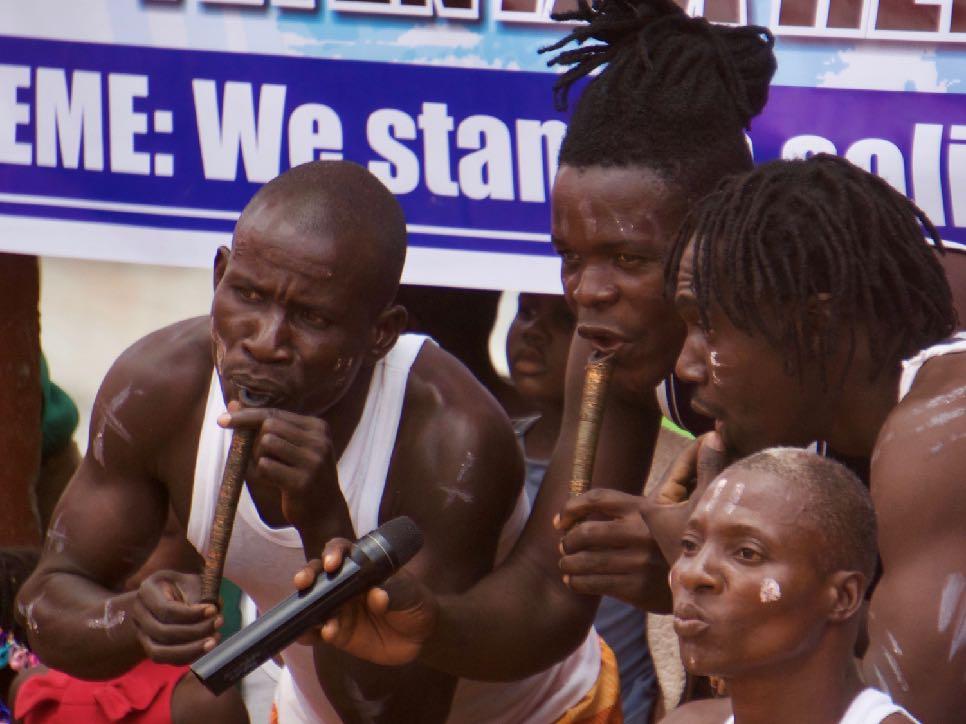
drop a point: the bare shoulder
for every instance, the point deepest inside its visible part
(146, 391)
(457, 468)
(703, 711)
(921, 450)
(447, 405)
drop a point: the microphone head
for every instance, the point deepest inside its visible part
(403, 539)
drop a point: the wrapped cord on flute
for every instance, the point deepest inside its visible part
(596, 378)
(224, 519)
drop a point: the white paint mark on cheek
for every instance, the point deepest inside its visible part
(770, 591)
(220, 348)
(735, 498)
(109, 620)
(717, 366)
(715, 494)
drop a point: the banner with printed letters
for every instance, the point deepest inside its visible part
(136, 130)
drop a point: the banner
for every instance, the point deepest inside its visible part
(137, 131)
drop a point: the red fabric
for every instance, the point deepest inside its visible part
(141, 696)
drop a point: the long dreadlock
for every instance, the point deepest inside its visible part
(794, 236)
(675, 95)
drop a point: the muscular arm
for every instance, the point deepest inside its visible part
(105, 525)
(495, 631)
(917, 616)
(458, 472)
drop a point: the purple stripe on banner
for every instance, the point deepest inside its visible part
(462, 148)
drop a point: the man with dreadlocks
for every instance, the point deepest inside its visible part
(655, 131)
(816, 312)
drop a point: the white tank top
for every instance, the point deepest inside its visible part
(911, 366)
(871, 706)
(262, 560)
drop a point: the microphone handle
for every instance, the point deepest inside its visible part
(256, 643)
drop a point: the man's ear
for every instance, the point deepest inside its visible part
(221, 264)
(846, 594)
(386, 330)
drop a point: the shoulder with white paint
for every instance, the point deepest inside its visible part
(454, 432)
(144, 396)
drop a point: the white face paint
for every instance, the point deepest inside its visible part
(735, 498)
(770, 591)
(717, 367)
(715, 494)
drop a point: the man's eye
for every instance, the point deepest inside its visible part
(569, 258)
(313, 318)
(749, 555)
(629, 260)
(688, 545)
(248, 294)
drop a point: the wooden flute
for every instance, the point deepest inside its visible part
(596, 377)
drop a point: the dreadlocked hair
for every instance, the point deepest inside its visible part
(800, 251)
(676, 94)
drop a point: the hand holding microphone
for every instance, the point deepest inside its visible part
(374, 558)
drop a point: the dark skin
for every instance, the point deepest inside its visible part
(756, 604)
(611, 227)
(921, 438)
(190, 700)
(286, 325)
(537, 347)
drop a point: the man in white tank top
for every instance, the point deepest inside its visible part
(769, 590)
(353, 424)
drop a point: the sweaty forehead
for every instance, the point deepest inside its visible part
(610, 195)
(754, 499)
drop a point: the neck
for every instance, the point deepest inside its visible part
(861, 411)
(814, 689)
(344, 415)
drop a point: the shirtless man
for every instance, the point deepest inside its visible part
(843, 331)
(303, 323)
(775, 562)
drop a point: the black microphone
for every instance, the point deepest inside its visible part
(375, 557)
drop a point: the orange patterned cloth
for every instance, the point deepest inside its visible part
(602, 704)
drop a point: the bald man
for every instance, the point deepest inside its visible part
(768, 591)
(354, 424)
